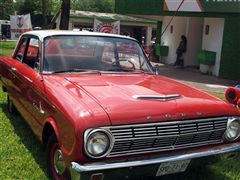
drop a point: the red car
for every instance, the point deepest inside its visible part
(96, 103)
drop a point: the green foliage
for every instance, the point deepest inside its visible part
(25, 6)
(36, 6)
(6, 48)
(6, 9)
(7, 45)
(94, 5)
(41, 11)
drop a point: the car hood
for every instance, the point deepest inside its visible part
(116, 94)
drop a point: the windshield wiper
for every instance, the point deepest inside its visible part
(77, 70)
(125, 70)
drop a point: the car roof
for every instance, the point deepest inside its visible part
(46, 33)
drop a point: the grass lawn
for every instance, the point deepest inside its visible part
(6, 48)
(23, 157)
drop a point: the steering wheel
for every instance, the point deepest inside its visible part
(133, 66)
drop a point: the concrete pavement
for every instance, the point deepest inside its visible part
(194, 78)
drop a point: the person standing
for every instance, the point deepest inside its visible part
(182, 48)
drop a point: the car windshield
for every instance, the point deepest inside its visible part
(77, 54)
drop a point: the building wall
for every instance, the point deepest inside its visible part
(194, 40)
(191, 27)
(213, 41)
(173, 39)
(230, 60)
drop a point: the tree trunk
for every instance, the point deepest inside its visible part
(44, 13)
(65, 13)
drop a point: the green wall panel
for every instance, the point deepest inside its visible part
(213, 8)
(230, 58)
(221, 6)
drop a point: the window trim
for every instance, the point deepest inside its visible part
(28, 38)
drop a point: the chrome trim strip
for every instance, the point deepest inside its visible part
(117, 139)
(168, 123)
(168, 148)
(190, 154)
(157, 97)
(144, 138)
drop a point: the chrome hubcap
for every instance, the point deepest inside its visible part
(59, 163)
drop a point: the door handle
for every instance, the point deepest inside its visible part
(38, 108)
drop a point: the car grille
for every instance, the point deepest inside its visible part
(165, 136)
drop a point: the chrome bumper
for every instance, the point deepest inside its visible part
(76, 169)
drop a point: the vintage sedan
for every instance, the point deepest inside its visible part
(101, 110)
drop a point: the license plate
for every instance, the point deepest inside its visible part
(172, 167)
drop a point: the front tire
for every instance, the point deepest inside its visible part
(56, 164)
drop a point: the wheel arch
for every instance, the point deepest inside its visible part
(50, 127)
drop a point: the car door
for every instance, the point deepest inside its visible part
(12, 80)
(30, 84)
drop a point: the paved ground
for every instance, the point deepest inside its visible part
(194, 78)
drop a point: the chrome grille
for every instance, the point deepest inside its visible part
(143, 138)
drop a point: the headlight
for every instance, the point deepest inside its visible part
(233, 129)
(98, 143)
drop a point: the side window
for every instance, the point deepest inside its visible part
(32, 56)
(21, 49)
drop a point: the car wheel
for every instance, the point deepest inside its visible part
(10, 106)
(56, 164)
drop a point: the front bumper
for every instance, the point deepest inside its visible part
(77, 170)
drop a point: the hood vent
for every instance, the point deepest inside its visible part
(155, 97)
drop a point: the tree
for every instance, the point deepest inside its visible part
(41, 11)
(27, 6)
(94, 5)
(6, 9)
(65, 13)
